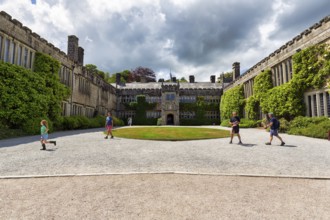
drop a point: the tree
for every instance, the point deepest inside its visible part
(93, 69)
(225, 77)
(145, 72)
(125, 77)
(183, 79)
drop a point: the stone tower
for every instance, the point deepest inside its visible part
(80, 56)
(236, 70)
(73, 48)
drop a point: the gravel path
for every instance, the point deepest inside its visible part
(88, 177)
(90, 153)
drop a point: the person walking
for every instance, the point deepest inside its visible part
(129, 121)
(109, 125)
(274, 125)
(234, 122)
(44, 135)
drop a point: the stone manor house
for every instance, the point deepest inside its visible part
(91, 95)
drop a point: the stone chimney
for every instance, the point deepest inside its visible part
(212, 78)
(80, 56)
(236, 70)
(117, 78)
(191, 79)
(73, 48)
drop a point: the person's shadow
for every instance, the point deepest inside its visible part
(247, 145)
(287, 145)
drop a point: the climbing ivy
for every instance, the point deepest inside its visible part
(27, 95)
(311, 69)
(141, 106)
(262, 84)
(232, 100)
(252, 107)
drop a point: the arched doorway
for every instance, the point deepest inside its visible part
(170, 119)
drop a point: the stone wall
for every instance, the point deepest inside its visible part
(90, 93)
(318, 33)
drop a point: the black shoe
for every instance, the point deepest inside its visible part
(43, 147)
(111, 137)
(240, 142)
(106, 137)
(230, 142)
(53, 142)
(282, 144)
(268, 143)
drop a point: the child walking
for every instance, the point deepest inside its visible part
(44, 135)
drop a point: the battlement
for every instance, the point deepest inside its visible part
(317, 33)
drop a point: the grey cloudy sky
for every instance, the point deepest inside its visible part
(186, 37)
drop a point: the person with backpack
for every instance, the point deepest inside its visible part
(274, 125)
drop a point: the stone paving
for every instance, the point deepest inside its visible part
(86, 152)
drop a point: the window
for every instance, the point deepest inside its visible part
(25, 58)
(31, 59)
(19, 55)
(12, 52)
(1, 46)
(6, 55)
(310, 106)
(315, 105)
(170, 97)
(328, 102)
(321, 104)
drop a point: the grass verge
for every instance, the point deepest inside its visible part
(170, 133)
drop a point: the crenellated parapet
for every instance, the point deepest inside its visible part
(317, 33)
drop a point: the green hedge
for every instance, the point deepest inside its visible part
(245, 123)
(25, 94)
(232, 100)
(317, 127)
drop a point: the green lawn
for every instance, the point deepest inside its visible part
(170, 133)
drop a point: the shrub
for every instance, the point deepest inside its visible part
(245, 123)
(159, 121)
(117, 121)
(248, 123)
(284, 125)
(317, 127)
(32, 126)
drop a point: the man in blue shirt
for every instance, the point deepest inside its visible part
(274, 125)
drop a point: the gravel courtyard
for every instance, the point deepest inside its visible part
(88, 177)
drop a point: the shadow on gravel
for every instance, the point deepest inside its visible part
(12, 142)
(288, 146)
(248, 145)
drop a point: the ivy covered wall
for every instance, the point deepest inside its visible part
(26, 95)
(311, 70)
(232, 100)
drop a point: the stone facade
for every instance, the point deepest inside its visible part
(90, 93)
(168, 96)
(280, 63)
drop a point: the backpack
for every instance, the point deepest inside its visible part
(277, 124)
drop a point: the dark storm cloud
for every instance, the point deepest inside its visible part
(201, 33)
(209, 28)
(291, 23)
(200, 37)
